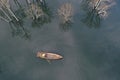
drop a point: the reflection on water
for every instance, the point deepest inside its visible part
(6, 10)
(96, 10)
(40, 13)
(92, 19)
(17, 29)
(65, 13)
(65, 26)
(89, 54)
(37, 10)
(20, 12)
(14, 19)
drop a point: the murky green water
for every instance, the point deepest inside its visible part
(90, 53)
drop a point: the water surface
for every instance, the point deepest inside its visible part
(90, 53)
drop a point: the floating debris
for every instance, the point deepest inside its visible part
(49, 56)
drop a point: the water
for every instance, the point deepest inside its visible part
(90, 53)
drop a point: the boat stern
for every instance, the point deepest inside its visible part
(41, 55)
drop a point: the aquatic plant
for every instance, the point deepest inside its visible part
(65, 13)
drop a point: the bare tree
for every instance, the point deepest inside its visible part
(38, 14)
(35, 11)
(96, 10)
(5, 6)
(66, 12)
(101, 6)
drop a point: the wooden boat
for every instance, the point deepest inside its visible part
(49, 56)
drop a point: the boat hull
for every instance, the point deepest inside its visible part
(49, 56)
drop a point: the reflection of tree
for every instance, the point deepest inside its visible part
(18, 29)
(92, 19)
(39, 12)
(20, 12)
(36, 9)
(41, 21)
(65, 13)
(4, 16)
(96, 9)
(65, 26)
(5, 11)
(45, 8)
(15, 22)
